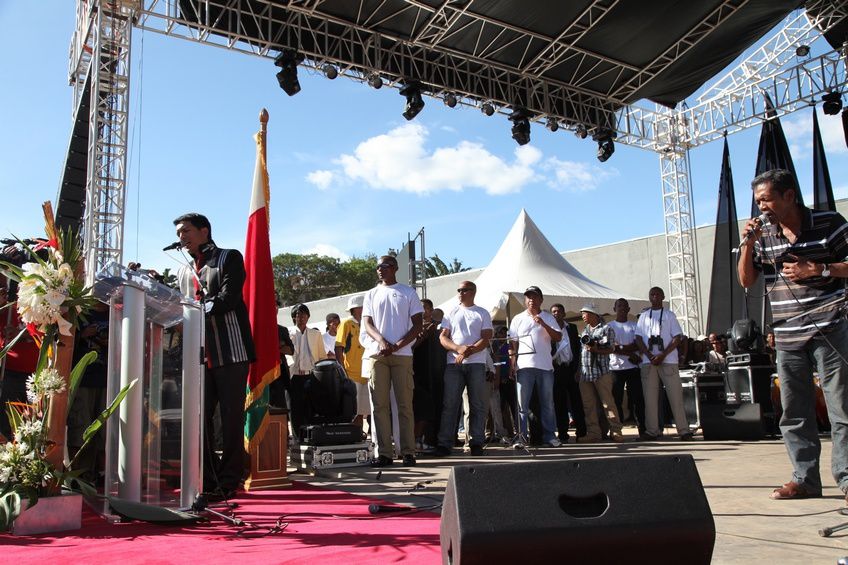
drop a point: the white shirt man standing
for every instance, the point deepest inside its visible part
(391, 318)
(466, 332)
(530, 334)
(658, 334)
(624, 364)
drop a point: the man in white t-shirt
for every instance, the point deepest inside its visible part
(624, 365)
(391, 318)
(530, 334)
(466, 332)
(658, 334)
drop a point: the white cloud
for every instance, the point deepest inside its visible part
(799, 134)
(577, 176)
(399, 161)
(321, 179)
(328, 250)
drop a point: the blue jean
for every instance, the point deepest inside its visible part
(457, 377)
(797, 394)
(544, 382)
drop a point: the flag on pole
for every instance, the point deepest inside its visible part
(822, 188)
(261, 302)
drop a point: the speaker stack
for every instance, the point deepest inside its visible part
(602, 510)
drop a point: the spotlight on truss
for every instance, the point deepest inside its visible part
(414, 101)
(606, 145)
(551, 124)
(580, 131)
(520, 126)
(288, 60)
(802, 50)
(374, 81)
(450, 100)
(330, 71)
(487, 109)
(832, 103)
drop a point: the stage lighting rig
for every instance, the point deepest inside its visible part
(802, 50)
(606, 145)
(580, 131)
(552, 124)
(450, 100)
(330, 71)
(288, 60)
(487, 108)
(832, 103)
(520, 119)
(374, 81)
(414, 101)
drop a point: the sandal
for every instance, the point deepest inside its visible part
(792, 491)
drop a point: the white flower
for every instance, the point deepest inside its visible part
(44, 384)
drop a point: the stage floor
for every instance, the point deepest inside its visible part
(737, 478)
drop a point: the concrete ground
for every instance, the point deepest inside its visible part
(737, 479)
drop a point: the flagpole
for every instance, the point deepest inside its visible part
(263, 131)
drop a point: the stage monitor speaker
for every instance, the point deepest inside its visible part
(741, 422)
(634, 509)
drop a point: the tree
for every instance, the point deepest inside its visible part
(303, 278)
(436, 267)
(359, 273)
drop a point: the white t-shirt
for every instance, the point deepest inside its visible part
(534, 343)
(329, 342)
(625, 334)
(391, 309)
(465, 325)
(660, 322)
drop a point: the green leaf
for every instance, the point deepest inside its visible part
(72, 482)
(12, 343)
(10, 508)
(95, 426)
(76, 375)
(14, 417)
(43, 356)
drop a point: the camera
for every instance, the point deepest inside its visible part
(656, 340)
(591, 340)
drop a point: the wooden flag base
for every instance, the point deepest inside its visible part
(268, 458)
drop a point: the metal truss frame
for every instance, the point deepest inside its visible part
(101, 48)
(735, 102)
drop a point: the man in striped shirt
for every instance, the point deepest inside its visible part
(802, 253)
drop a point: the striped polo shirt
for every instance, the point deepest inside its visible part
(823, 239)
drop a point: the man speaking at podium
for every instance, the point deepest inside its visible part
(216, 278)
(802, 254)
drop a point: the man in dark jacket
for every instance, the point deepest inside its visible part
(216, 278)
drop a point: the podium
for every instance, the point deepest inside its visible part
(268, 458)
(153, 329)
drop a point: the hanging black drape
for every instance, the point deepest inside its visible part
(822, 189)
(727, 298)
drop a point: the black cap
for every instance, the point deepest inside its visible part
(531, 289)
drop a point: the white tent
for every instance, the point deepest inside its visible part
(526, 258)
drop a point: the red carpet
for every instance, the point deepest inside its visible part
(325, 527)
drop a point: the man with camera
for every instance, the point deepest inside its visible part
(624, 365)
(216, 278)
(658, 333)
(597, 342)
(802, 254)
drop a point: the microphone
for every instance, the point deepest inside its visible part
(763, 220)
(379, 508)
(175, 245)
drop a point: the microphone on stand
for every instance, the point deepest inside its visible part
(763, 220)
(380, 508)
(175, 245)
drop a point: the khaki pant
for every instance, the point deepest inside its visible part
(592, 393)
(384, 375)
(670, 376)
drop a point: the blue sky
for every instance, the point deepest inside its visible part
(348, 174)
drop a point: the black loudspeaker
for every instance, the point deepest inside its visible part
(742, 422)
(635, 509)
(749, 383)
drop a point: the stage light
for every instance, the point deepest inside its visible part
(487, 109)
(450, 100)
(374, 81)
(580, 131)
(802, 50)
(832, 103)
(606, 145)
(414, 102)
(288, 60)
(330, 71)
(552, 124)
(520, 126)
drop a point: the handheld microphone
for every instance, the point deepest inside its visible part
(763, 220)
(175, 245)
(380, 508)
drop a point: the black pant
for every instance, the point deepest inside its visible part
(567, 392)
(13, 390)
(224, 387)
(636, 400)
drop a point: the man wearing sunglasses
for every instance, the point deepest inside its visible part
(391, 319)
(466, 332)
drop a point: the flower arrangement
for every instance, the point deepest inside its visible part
(52, 300)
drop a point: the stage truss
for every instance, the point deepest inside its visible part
(735, 102)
